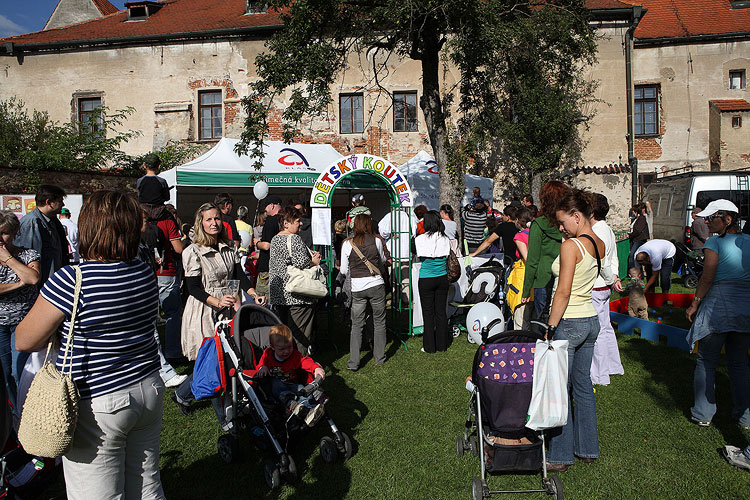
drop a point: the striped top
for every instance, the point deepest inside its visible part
(474, 224)
(113, 337)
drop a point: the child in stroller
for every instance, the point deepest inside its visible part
(285, 366)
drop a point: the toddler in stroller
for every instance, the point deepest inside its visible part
(285, 367)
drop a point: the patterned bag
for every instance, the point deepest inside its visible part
(453, 267)
(50, 412)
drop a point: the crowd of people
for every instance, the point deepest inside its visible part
(136, 257)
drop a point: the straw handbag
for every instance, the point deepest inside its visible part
(50, 412)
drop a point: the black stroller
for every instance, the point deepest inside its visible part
(502, 375)
(251, 411)
(691, 264)
(486, 284)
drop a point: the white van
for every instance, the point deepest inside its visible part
(673, 198)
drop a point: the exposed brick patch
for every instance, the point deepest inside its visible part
(745, 158)
(647, 149)
(231, 109)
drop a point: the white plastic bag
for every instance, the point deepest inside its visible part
(549, 392)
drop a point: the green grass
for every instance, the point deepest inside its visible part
(404, 418)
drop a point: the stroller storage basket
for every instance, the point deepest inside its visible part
(516, 457)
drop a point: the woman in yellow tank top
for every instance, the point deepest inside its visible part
(573, 318)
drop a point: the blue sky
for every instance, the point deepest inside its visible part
(25, 16)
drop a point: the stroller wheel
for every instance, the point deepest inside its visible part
(477, 489)
(328, 450)
(456, 331)
(691, 281)
(554, 487)
(272, 474)
(460, 445)
(228, 448)
(474, 445)
(348, 450)
(291, 472)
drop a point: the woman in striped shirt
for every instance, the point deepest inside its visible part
(115, 450)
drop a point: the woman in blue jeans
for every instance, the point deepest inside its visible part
(723, 318)
(573, 318)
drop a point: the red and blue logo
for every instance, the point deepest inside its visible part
(433, 167)
(292, 158)
(477, 326)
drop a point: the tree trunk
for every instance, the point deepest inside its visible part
(434, 116)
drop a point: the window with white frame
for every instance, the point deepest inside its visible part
(737, 79)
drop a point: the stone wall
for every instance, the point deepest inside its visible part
(72, 182)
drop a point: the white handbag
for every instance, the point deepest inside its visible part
(309, 282)
(549, 391)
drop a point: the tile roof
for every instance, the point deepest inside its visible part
(731, 104)
(105, 7)
(606, 4)
(686, 18)
(176, 16)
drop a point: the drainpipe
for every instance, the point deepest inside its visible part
(632, 160)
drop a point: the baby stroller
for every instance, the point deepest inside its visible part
(486, 284)
(691, 264)
(502, 376)
(251, 411)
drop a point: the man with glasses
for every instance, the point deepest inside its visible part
(657, 258)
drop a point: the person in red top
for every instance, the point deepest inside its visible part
(169, 288)
(289, 371)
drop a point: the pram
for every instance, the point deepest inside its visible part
(250, 410)
(691, 264)
(502, 376)
(486, 284)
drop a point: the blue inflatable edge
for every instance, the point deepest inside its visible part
(676, 337)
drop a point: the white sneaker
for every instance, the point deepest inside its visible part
(735, 457)
(175, 381)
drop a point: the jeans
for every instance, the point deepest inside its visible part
(634, 245)
(283, 392)
(578, 437)
(12, 362)
(115, 451)
(185, 396)
(166, 371)
(541, 296)
(376, 297)
(704, 389)
(171, 303)
(433, 296)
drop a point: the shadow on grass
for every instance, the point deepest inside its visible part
(670, 384)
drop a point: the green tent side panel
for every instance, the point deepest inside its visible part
(294, 179)
(623, 250)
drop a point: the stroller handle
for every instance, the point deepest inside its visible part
(311, 387)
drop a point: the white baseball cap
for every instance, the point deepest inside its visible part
(717, 205)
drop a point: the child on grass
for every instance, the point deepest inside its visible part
(637, 305)
(288, 370)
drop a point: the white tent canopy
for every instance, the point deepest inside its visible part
(424, 179)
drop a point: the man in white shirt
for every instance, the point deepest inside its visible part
(606, 360)
(657, 255)
(71, 231)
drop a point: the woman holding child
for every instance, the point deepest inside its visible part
(573, 318)
(723, 318)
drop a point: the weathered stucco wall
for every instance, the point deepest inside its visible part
(735, 141)
(72, 11)
(689, 76)
(616, 187)
(71, 182)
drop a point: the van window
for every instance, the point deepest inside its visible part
(739, 198)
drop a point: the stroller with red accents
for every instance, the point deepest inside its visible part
(495, 431)
(251, 410)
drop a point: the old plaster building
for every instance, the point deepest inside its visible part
(672, 82)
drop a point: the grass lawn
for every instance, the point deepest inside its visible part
(404, 418)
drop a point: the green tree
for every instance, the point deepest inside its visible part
(520, 90)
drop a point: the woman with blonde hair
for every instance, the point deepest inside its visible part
(209, 263)
(115, 365)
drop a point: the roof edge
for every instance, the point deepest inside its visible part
(682, 40)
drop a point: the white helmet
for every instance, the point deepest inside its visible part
(479, 317)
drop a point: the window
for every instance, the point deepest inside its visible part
(736, 121)
(351, 114)
(405, 111)
(90, 114)
(737, 79)
(646, 110)
(209, 114)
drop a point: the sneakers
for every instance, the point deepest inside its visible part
(184, 407)
(175, 381)
(735, 457)
(296, 409)
(226, 426)
(700, 423)
(313, 415)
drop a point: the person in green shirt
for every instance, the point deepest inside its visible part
(544, 247)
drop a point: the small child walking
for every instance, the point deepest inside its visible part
(288, 370)
(637, 305)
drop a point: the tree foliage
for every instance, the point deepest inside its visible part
(521, 89)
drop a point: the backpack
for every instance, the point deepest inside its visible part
(154, 238)
(209, 379)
